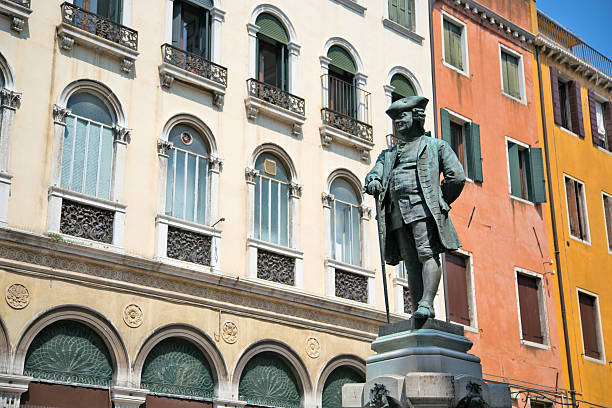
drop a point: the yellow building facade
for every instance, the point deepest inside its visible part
(576, 84)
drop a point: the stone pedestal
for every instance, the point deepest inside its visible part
(424, 364)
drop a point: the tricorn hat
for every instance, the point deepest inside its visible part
(406, 104)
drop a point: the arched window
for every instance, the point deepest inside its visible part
(345, 223)
(111, 9)
(332, 390)
(403, 88)
(176, 366)
(87, 156)
(271, 217)
(342, 89)
(268, 380)
(187, 177)
(69, 351)
(272, 56)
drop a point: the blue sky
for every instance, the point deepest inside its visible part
(588, 19)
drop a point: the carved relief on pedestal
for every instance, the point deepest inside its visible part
(313, 347)
(230, 332)
(17, 296)
(132, 315)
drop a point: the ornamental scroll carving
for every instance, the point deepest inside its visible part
(250, 175)
(163, 147)
(122, 135)
(60, 114)
(275, 267)
(189, 246)
(230, 332)
(10, 99)
(85, 221)
(327, 199)
(407, 300)
(313, 347)
(17, 296)
(351, 286)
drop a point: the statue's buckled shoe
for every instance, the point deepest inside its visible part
(424, 311)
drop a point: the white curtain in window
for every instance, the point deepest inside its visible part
(271, 218)
(345, 220)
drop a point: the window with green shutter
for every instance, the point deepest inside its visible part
(402, 12)
(464, 138)
(403, 88)
(272, 55)
(526, 168)
(453, 47)
(510, 66)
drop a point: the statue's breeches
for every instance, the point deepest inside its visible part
(418, 240)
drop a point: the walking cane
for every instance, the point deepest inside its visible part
(382, 253)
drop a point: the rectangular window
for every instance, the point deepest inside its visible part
(457, 271)
(402, 12)
(191, 28)
(511, 73)
(601, 129)
(454, 38)
(529, 307)
(346, 232)
(186, 185)
(576, 209)
(589, 319)
(272, 210)
(566, 117)
(526, 170)
(458, 142)
(607, 204)
(601, 126)
(464, 138)
(540, 404)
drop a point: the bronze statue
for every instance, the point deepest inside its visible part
(413, 203)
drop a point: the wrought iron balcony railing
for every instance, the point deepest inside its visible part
(24, 3)
(194, 63)
(347, 124)
(276, 96)
(551, 30)
(99, 26)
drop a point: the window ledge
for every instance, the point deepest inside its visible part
(68, 35)
(471, 329)
(454, 68)
(521, 200)
(18, 14)
(187, 225)
(604, 150)
(277, 249)
(566, 130)
(400, 281)
(593, 360)
(401, 30)
(353, 5)
(582, 241)
(168, 73)
(87, 200)
(535, 345)
(331, 134)
(514, 98)
(255, 105)
(357, 270)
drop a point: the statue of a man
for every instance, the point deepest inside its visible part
(414, 204)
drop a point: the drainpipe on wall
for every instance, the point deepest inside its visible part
(434, 103)
(568, 354)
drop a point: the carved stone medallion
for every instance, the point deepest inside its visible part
(132, 315)
(313, 347)
(17, 296)
(230, 332)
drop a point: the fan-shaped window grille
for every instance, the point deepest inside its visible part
(332, 390)
(340, 58)
(70, 352)
(177, 367)
(267, 380)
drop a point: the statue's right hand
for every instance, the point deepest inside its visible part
(374, 187)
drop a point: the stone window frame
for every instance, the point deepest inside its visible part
(583, 199)
(465, 54)
(163, 221)
(402, 30)
(598, 327)
(521, 73)
(295, 194)
(471, 287)
(10, 101)
(365, 269)
(343, 360)
(56, 194)
(607, 222)
(543, 310)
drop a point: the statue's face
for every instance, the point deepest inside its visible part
(404, 122)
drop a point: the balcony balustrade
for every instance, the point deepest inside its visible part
(194, 64)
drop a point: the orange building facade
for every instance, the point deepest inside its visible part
(500, 284)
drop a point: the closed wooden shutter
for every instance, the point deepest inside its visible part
(515, 170)
(607, 111)
(402, 12)
(597, 140)
(576, 108)
(510, 74)
(530, 308)
(572, 207)
(537, 182)
(40, 395)
(554, 87)
(456, 275)
(474, 158)
(445, 125)
(452, 44)
(608, 213)
(589, 325)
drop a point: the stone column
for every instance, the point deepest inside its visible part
(168, 22)
(218, 17)
(388, 91)
(122, 138)
(212, 205)
(328, 201)
(251, 261)
(161, 228)
(294, 52)
(324, 81)
(11, 388)
(125, 397)
(361, 97)
(252, 30)
(295, 193)
(55, 201)
(10, 102)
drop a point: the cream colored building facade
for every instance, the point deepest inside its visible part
(129, 291)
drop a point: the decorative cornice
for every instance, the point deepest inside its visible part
(122, 134)
(59, 114)
(10, 99)
(327, 199)
(250, 174)
(295, 190)
(163, 147)
(495, 22)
